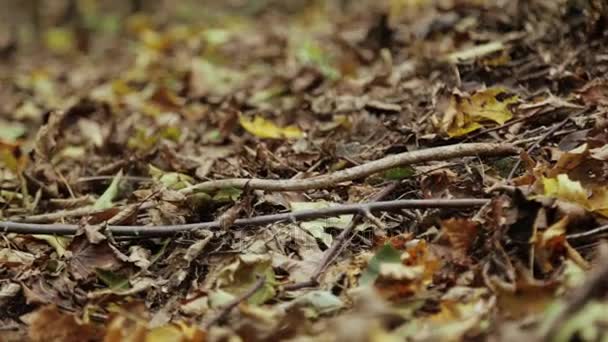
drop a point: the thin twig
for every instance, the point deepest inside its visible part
(338, 245)
(76, 212)
(110, 178)
(168, 230)
(357, 172)
(538, 142)
(587, 234)
(225, 310)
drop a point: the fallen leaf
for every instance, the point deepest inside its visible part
(114, 281)
(48, 324)
(105, 200)
(241, 275)
(11, 131)
(60, 40)
(312, 53)
(171, 180)
(87, 257)
(399, 173)
(265, 129)
(563, 188)
(59, 243)
(387, 254)
(466, 114)
(13, 258)
(323, 302)
(133, 324)
(8, 291)
(474, 52)
(317, 227)
(585, 325)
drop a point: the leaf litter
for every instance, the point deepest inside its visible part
(112, 115)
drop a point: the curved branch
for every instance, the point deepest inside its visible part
(357, 172)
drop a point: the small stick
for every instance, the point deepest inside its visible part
(538, 142)
(357, 172)
(338, 245)
(235, 302)
(75, 212)
(169, 230)
(589, 233)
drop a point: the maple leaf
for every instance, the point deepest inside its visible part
(466, 114)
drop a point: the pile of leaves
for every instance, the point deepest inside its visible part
(106, 114)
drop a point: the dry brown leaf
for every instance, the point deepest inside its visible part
(86, 257)
(49, 324)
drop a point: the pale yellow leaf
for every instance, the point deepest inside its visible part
(465, 115)
(263, 128)
(566, 189)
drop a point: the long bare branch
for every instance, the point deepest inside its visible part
(358, 172)
(168, 230)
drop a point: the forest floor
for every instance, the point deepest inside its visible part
(362, 171)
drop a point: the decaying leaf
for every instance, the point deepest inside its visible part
(385, 255)
(461, 233)
(87, 257)
(11, 131)
(171, 180)
(467, 113)
(263, 128)
(13, 258)
(59, 243)
(317, 227)
(242, 274)
(131, 324)
(323, 302)
(563, 188)
(50, 324)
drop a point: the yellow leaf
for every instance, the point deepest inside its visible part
(598, 202)
(555, 231)
(60, 40)
(566, 189)
(263, 128)
(465, 115)
(165, 333)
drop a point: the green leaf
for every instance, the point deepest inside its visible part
(322, 301)
(399, 173)
(386, 254)
(171, 180)
(317, 227)
(312, 53)
(241, 275)
(220, 298)
(265, 95)
(59, 243)
(105, 201)
(142, 140)
(11, 131)
(228, 195)
(586, 325)
(114, 281)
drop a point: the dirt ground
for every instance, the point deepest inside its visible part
(396, 170)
